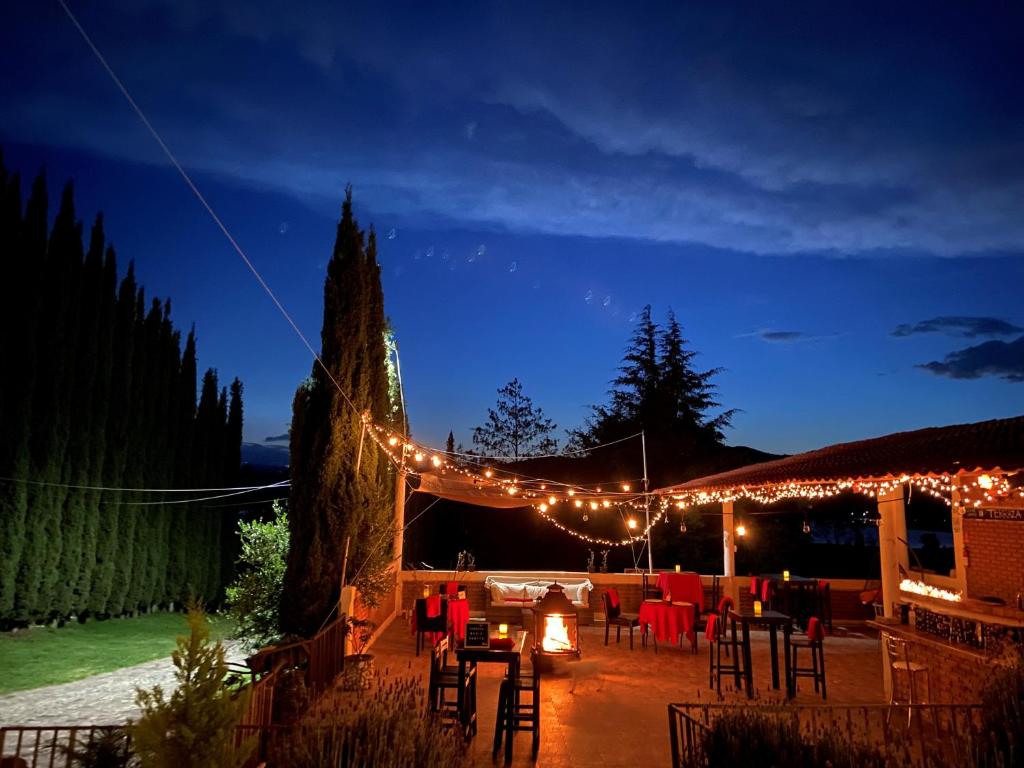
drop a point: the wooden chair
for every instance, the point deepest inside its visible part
(719, 639)
(444, 678)
(451, 588)
(429, 624)
(650, 592)
(814, 641)
(613, 615)
(824, 603)
(525, 713)
(700, 620)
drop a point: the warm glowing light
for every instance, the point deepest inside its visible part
(435, 460)
(502, 630)
(920, 588)
(418, 456)
(757, 607)
(785, 575)
(593, 505)
(631, 523)
(543, 507)
(392, 441)
(488, 473)
(606, 503)
(571, 492)
(556, 635)
(741, 530)
(513, 491)
(543, 487)
(625, 486)
(552, 500)
(578, 503)
(985, 481)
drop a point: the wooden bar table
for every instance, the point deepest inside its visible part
(473, 656)
(773, 620)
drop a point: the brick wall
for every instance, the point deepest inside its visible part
(996, 566)
(955, 678)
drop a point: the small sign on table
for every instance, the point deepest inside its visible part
(478, 634)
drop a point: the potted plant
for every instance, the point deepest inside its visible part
(590, 561)
(359, 664)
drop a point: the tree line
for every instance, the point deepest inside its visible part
(98, 396)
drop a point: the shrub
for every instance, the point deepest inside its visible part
(1003, 715)
(255, 597)
(106, 748)
(390, 726)
(195, 726)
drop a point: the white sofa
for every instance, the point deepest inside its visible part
(522, 590)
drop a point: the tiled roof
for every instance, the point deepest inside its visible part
(984, 445)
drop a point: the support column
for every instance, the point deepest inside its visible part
(960, 561)
(729, 552)
(892, 552)
(399, 545)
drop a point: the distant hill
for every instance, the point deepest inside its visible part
(264, 455)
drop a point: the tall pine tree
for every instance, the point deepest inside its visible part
(330, 500)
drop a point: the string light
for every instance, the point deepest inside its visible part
(631, 522)
(741, 531)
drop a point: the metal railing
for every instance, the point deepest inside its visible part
(915, 735)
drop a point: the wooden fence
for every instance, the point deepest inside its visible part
(918, 735)
(50, 745)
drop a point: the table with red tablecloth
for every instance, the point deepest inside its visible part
(682, 588)
(668, 620)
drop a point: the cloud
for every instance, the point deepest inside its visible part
(968, 327)
(745, 132)
(785, 337)
(277, 438)
(991, 358)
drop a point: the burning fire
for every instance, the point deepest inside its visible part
(920, 588)
(556, 635)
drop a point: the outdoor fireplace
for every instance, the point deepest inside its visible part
(556, 624)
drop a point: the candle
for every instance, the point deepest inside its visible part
(757, 607)
(785, 575)
(426, 590)
(678, 569)
(502, 630)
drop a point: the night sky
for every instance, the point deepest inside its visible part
(830, 198)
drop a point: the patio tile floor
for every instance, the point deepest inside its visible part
(609, 708)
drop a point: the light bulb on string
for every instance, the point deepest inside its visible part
(585, 516)
(807, 527)
(631, 523)
(682, 526)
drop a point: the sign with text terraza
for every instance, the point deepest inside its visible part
(478, 634)
(994, 513)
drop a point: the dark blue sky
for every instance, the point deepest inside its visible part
(828, 196)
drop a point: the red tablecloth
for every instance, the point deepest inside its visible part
(669, 621)
(458, 616)
(683, 587)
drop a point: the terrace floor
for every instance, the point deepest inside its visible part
(610, 708)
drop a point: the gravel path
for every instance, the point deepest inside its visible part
(105, 699)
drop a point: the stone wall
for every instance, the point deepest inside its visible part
(996, 563)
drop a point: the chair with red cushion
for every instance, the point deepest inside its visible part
(428, 621)
(451, 588)
(613, 615)
(719, 640)
(814, 640)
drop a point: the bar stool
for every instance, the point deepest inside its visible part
(426, 624)
(444, 678)
(815, 642)
(525, 714)
(898, 654)
(718, 639)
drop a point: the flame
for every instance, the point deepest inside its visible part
(920, 588)
(556, 635)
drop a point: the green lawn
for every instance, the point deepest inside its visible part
(38, 657)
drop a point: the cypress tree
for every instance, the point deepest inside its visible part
(205, 453)
(330, 501)
(109, 550)
(98, 521)
(183, 520)
(77, 532)
(50, 427)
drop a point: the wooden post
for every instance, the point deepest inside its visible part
(892, 552)
(956, 513)
(399, 545)
(729, 552)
